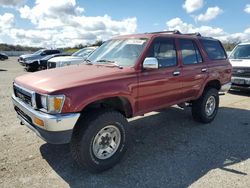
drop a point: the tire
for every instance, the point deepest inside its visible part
(86, 137)
(30, 69)
(200, 108)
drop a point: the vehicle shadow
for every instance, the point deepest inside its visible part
(2, 70)
(168, 149)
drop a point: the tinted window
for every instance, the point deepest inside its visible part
(214, 49)
(53, 52)
(50, 52)
(190, 52)
(56, 51)
(165, 52)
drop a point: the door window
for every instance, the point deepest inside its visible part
(190, 52)
(164, 51)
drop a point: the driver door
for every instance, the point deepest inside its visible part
(159, 88)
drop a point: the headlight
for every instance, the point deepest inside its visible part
(52, 103)
(44, 102)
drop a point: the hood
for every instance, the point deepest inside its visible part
(240, 62)
(52, 80)
(26, 55)
(30, 57)
(66, 59)
(46, 58)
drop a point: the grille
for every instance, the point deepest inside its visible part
(241, 72)
(51, 65)
(25, 96)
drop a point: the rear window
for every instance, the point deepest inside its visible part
(214, 49)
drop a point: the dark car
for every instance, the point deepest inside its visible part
(29, 59)
(43, 63)
(3, 56)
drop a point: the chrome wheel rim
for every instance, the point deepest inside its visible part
(106, 142)
(210, 105)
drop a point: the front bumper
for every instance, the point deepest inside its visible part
(240, 82)
(57, 129)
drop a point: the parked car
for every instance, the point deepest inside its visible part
(28, 59)
(42, 64)
(3, 56)
(87, 105)
(76, 58)
(240, 60)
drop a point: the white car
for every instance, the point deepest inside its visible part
(76, 58)
(240, 60)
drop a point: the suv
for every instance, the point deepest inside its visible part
(31, 61)
(87, 105)
(240, 60)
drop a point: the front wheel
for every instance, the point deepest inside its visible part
(205, 108)
(100, 140)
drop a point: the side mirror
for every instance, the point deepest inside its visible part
(150, 63)
(43, 53)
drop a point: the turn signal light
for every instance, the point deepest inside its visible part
(39, 122)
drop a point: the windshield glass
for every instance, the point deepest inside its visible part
(241, 52)
(38, 52)
(122, 52)
(83, 52)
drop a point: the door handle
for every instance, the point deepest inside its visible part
(176, 73)
(204, 70)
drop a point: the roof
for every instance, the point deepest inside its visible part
(174, 33)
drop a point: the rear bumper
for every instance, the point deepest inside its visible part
(226, 87)
(57, 129)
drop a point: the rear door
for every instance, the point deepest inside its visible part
(160, 87)
(194, 69)
(219, 67)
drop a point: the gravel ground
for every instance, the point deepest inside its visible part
(168, 149)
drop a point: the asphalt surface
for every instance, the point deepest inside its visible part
(168, 149)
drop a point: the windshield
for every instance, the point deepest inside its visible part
(38, 52)
(241, 52)
(83, 52)
(122, 52)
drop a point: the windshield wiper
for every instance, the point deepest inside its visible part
(88, 62)
(108, 62)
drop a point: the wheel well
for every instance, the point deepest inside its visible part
(213, 84)
(120, 104)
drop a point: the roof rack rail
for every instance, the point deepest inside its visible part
(173, 32)
(195, 34)
(176, 32)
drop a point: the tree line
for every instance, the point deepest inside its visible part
(10, 47)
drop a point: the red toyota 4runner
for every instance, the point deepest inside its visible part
(87, 105)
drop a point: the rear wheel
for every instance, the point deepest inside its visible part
(100, 140)
(205, 108)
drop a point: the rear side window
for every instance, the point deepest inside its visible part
(53, 52)
(190, 52)
(50, 52)
(214, 49)
(164, 50)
